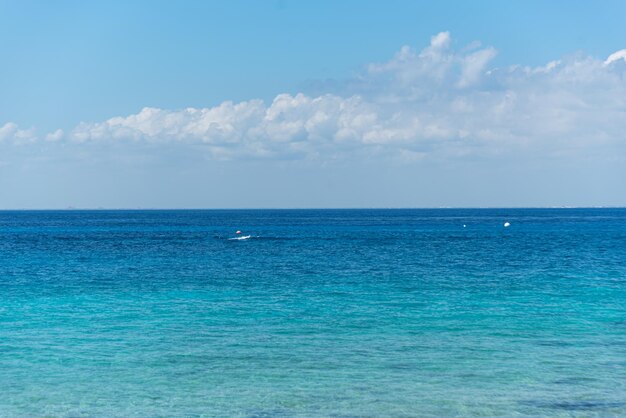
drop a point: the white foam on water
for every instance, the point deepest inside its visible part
(240, 238)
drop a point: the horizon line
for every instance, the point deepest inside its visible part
(94, 209)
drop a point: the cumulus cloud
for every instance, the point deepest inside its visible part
(55, 136)
(436, 101)
(616, 56)
(7, 131)
(12, 132)
(474, 65)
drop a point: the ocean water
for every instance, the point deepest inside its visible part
(339, 313)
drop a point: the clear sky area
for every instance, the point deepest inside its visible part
(252, 104)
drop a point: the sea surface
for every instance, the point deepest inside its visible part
(342, 313)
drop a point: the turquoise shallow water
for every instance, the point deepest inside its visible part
(320, 313)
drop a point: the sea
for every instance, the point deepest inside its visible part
(333, 313)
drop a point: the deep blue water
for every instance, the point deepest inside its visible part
(320, 313)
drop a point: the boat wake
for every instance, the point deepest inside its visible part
(245, 237)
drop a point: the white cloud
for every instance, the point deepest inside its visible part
(55, 136)
(432, 102)
(616, 56)
(12, 132)
(7, 131)
(474, 65)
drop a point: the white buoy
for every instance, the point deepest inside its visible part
(464, 226)
(506, 224)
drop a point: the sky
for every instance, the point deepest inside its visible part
(290, 104)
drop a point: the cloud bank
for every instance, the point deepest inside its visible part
(437, 102)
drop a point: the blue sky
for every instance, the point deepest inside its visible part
(334, 104)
